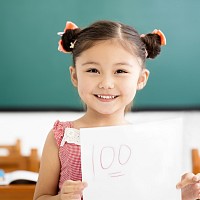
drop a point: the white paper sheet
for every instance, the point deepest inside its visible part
(136, 162)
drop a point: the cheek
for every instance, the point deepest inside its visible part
(129, 86)
(130, 92)
(84, 87)
(81, 89)
(129, 89)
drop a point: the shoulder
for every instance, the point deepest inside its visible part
(60, 126)
(59, 129)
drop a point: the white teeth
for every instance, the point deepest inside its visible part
(106, 97)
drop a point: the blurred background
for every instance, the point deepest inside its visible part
(34, 76)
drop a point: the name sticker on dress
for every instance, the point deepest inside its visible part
(72, 136)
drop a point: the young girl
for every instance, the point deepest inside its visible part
(108, 69)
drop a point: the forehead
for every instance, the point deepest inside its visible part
(108, 50)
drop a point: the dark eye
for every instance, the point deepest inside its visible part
(93, 70)
(119, 71)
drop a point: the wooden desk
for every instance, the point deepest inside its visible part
(17, 192)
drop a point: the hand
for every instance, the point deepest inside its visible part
(72, 190)
(190, 186)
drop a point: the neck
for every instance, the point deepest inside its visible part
(91, 119)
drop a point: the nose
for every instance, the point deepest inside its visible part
(106, 83)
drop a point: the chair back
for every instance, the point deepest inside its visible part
(195, 161)
(14, 160)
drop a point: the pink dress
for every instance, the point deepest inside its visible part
(69, 152)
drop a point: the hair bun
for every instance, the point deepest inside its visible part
(153, 44)
(69, 38)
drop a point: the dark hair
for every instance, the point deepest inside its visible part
(146, 46)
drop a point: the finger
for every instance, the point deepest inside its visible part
(197, 197)
(71, 182)
(196, 177)
(76, 189)
(186, 180)
(85, 184)
(70, 196)
(73, 187)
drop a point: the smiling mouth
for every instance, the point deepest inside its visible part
(106, 97)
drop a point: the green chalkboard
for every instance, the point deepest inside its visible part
(34, 75)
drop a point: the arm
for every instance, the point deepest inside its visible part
(47, 185)
(190, 186)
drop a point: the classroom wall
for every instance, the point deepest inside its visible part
(34, 75)
(33, 127)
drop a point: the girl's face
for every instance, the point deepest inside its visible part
(107, 77)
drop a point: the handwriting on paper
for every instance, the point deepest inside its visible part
(108, 156)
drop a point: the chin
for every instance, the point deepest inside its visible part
(107, 112)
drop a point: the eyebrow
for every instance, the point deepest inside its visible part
(90, 63)
(116, 64)
(123, 64)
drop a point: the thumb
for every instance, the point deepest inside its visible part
(187, 179)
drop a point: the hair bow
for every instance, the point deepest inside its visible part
(162, 36)
(69, 26)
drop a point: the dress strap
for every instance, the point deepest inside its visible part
(59, 130)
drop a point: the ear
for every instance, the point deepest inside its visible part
(143, 79)
(73, 76)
